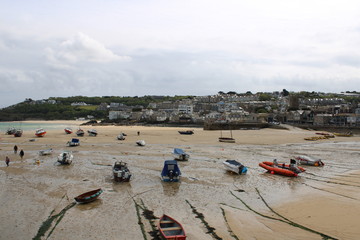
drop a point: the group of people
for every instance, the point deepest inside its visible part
(21, 154)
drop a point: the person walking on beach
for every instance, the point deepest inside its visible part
(22, 154)
(7, 161)
(138, 133)
(15, 149)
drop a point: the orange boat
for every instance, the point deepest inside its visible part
(170, 229)
(281, 169)
(40, 132)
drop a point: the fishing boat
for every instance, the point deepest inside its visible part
(180, 155)
(121, 136)
(235, 166)
(187, 132)
(280, 169)
(171, 171)
(74, 142)
(45, 152)
(18, 133)
(88, 196)
(227, 139)
(40, 132)
(140, 143)
(68, 130)
(65, 157)
(92, 132)
(171, 229)
(311, 161)
(121, 172)
(10, 131)
(80, 132)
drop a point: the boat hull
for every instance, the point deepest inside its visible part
(226, 140)
(305, 160)
(88, 196)
(186, 132)
(234, 166)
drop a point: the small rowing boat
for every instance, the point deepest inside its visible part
(88, 196)
(171, 229)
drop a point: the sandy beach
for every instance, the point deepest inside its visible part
(37, 194)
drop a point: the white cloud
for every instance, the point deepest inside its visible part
(81, 48)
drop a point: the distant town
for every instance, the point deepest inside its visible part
(231, 108)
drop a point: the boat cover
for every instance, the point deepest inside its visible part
(75, 140)
(170, 165)
(178, 151)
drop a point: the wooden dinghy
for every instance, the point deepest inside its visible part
(88, 196)
(171, 229)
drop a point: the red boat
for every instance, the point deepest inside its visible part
(40, 132)
(89, 196)
(281, 169)
(171, 229)
(68, 130)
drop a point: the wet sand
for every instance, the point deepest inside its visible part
(322, 202)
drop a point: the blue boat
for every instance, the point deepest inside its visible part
(74, 142)
(179, 154)
(171, 171)
(235, 166)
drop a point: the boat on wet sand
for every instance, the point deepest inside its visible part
(46, 152)
(187, 132)
(280, 169)
(88, 196)
(307, 160)
(140, 143)
(74, 142)
(68, 130)
(80, 132)
(121, 172)
(180, 155)
(92, 132)
(235, 166)
(171, 171)
(18, 133)
(65, 157)
(40, 132)
(171, 229)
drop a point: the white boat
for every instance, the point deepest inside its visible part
(40, 132)
(74, 142)
(235, 166)
(121, 172)
(121, 136)
(140, 143)
(92, 132)
(179, 154)
(46, 152)
(307, 160)
(65, 157)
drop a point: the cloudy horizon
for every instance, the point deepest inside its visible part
(119, 48)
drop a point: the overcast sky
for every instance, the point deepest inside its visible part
(176, 47)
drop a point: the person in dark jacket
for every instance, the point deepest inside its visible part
(15, 149)
(7, 161)
(21, 154)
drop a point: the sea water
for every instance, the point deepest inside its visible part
(28, 126)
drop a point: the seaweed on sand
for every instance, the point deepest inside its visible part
(199, 215)
(232, 234)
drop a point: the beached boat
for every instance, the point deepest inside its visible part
(73, 143)
(187, 132)
(121, 136)
(328, 135)
(281, 169)
(140, 143)
(92, 132)
(171, 229)
(80, 132)
(68, 130)
(46, 152)
(18, 133)
(10, 131)
(88, 196)
(40, 132)
(65, 157)
(235, 166)
(171, 171)
(307, 160)
(180, 155)
(348, 134)
(227, 139)
(121, 172)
